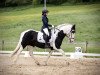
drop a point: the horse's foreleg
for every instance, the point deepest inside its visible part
(18, 53)
(31, 54)
(61, 51)
(48, 56)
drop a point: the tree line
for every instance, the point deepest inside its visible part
(6, 3)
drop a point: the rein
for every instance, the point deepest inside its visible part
(55, 29)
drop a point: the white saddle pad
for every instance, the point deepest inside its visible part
(40, 37)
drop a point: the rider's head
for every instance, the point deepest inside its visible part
(44, 11)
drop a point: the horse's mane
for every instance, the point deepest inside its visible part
(65, 24)
(59, 26)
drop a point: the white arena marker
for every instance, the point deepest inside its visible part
(78, 53)
(27, 54)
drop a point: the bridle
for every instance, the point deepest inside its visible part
(71, 32)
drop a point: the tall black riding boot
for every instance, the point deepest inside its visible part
(46, 42)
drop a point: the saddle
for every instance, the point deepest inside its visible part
(42, 35)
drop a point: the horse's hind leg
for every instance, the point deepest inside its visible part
(48, 56)
(16, 49)
(18, 53)
(31, 54)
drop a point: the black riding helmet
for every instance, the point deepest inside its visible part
(44, 11)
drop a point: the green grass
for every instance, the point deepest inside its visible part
(14, 20)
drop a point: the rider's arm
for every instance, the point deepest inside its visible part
(49, 25)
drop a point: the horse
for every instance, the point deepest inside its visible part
(35, 38)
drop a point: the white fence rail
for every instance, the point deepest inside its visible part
(6, 45)
(54, 53)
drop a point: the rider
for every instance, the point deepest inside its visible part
(45, 27)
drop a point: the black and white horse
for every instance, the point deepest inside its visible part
(34, 38)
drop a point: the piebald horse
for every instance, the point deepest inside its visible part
(34, 38)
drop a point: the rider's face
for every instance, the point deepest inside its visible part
(47, 13)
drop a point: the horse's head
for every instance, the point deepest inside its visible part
(71, 34)
(69, 31)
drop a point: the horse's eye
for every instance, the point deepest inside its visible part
(73, 31)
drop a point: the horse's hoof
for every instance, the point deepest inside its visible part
(45, 64)
(68, 63)
(37, 63)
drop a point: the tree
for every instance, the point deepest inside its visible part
(14, 2)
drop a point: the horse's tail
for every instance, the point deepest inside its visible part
(17, 47)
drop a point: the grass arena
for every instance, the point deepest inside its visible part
(57, 65)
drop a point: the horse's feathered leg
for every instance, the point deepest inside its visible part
(48, 56)
(18, 53)
(18, 45)
(16, 49)
(31, 54)
(61, 51)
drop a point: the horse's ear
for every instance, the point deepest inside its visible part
(73, 27)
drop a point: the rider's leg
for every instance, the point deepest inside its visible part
(46, 41)
(46, 37)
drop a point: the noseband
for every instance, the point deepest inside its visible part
(72, 31)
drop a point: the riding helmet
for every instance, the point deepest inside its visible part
(45, 11)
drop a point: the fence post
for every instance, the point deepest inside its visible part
(2, 47)
(86, 45)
